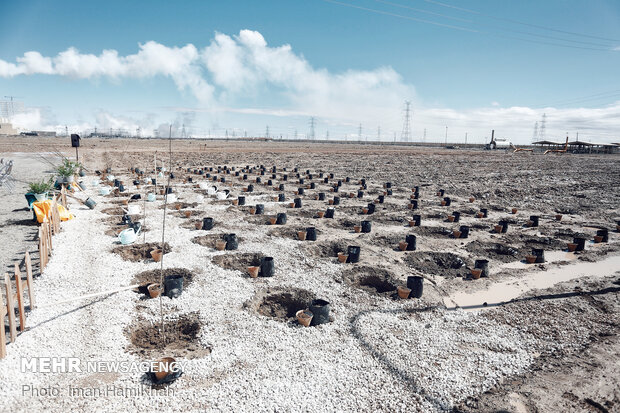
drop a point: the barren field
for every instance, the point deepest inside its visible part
(524, 337)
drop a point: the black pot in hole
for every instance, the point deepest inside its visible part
(311, 234)
(281, 218)
(173, 285)
(353, 254)
(484, 266)
(366, 226)
(416, 284)
(320, 312)
(411, 241)
(207, 223)
(267, 268)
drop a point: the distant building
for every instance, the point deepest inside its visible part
(7, 129)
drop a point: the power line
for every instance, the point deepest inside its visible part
(450, 26)
(518, 22)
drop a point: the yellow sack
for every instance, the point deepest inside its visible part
(42, 210)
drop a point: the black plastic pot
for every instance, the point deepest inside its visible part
(321, 196)
(281, 187)
(336, 200)
(441, 192)
(360, 194)
(388, 185)
(250, 188)
(320, 312)
(581, 243)
(339, 183)
(325, 180)
(285, 177)
(281, 198)
(335, 188)
(270, 182)
(540, 255)
(504, 225)
(136, 196)
(417, 220)
(231, 242)
(366, 226)
(411, 240)
(331, 176)
(353, 252)
(312, 185)
(297, 202)
(416, 284)
(484, 266)
(117, 183)
(136, 182)
(448, 201)
(121, 188)
(241, 200)
(168, 190)
(281, 218)
(363, 181)
(223, 179)
(301, 181)
(245, 177)
(388, 192)
(190, 179)
(126, 219)
(300, 191)
(464, 231)
(267, 267)
(604, 233)
(414, 203)
(258, 181)
(381, 199)
(207, 223)
(371, 209)
(485, 212)
(311, 234)
(329, 213)
(173, 285)
(534, 219)
(260, 209)
(457, 216)
(90, 203)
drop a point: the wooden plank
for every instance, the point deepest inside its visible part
(2, 333)
(20, 298)
(29, 282)
(41, 250)
(10, 307)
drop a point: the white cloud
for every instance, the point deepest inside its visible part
(239, 77)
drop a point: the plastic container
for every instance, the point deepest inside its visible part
(173, 285)
(320, 310)
(483, 265)
(416, 284)
(207, 223)
(267, 267)
(353, 252)
(366, 227)
(411, 240)
(311, 234)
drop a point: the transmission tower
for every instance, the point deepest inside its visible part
(359, 134)
(312, 122)
(183, 133)
(295, 133)
(543, 127)
(267, 132)
(378, 133)
(535, 131)
(405, 136)
(424, 137)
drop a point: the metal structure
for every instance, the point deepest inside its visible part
(312, 123)
(405, 136)
(6, 180)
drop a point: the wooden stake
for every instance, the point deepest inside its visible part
(41, 250)
(10, 307)
(29, 282)
(20, 298)
(2, 333)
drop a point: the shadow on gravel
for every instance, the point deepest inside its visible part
(408, 379)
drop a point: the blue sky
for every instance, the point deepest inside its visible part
(499, 65)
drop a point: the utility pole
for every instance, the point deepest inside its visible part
(267, 132)
(379, 132)
(424, 137)
(405, 136)
(446, 136)
(295, 133)
(465, 138)
(312, 122)
(359, 135)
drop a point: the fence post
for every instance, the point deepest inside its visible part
(10, 306)
(20, 298)
(2, 333)
(29, 282)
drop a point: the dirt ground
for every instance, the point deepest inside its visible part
(572, 194)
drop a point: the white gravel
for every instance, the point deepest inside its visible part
(377, 355)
